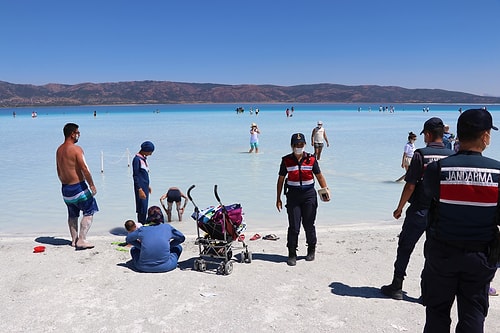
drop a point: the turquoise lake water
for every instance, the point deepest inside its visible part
(206, 145)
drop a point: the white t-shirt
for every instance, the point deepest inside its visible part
(319, 135)
(409, 149)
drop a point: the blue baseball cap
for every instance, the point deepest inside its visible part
(297, 138)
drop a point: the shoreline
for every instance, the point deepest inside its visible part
(63, 290)
(192, 232)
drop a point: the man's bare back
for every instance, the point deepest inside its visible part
(71, 165)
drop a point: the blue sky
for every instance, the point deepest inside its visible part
(444, 44)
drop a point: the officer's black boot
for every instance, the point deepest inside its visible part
(311, 250)
(395, 289)
(292, 257)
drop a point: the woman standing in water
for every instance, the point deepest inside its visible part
(408, 153)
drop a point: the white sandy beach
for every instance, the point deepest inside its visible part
(63, 290)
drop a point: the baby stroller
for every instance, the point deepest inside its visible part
(222, 225)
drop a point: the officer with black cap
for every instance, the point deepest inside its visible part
(415, 221)
(301, 197)
(463, 192)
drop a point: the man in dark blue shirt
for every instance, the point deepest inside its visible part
(416, 215)
(462, 192)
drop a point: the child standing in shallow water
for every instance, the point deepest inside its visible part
(254, 138)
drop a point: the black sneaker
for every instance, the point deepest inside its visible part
(292, 261)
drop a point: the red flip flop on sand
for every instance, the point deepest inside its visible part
(241, 238)
(255, 237)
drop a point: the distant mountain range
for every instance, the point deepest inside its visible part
(165, 92)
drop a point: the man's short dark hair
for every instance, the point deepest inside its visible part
(436, 133)
(69, 128)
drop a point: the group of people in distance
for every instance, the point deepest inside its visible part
(453, 199)
(318, 139)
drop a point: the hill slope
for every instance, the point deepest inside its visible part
(165, 92)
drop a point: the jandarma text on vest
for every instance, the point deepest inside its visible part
(470, 175)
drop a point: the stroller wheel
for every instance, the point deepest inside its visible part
(248, 257)
(196, 265)
(243, 257)
(228, 267)
(202, 265)
(220, 269)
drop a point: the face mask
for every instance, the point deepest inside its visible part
(298, 150)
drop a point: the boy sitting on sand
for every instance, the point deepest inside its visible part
(131, 225)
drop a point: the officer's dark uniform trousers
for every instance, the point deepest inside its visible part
(468, 276)
(413, 228)
(301, 206)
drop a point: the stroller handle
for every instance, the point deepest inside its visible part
(189, 192)
(216, 194)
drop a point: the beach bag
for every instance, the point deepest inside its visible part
(204, 215)
(232, 224)
(208, 222)
(213, 223)
(235, 213)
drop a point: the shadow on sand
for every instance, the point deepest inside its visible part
(188, 264)
(128, 265)
(52, 241)
(118, 231)
(340, 289)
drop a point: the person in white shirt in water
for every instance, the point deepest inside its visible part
(318, 139)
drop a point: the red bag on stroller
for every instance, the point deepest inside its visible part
(226, 220)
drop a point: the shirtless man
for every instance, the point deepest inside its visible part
(74, 175)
